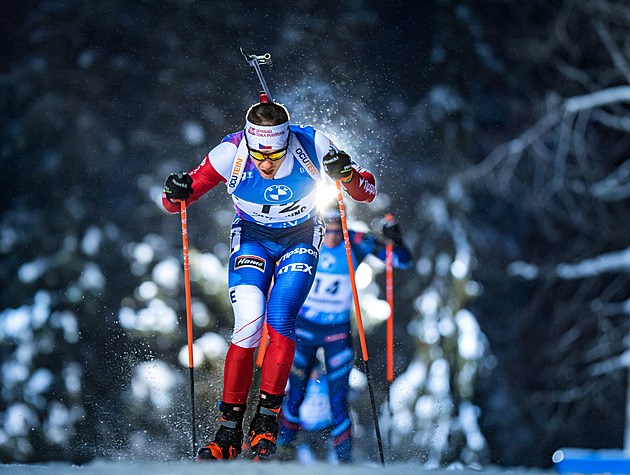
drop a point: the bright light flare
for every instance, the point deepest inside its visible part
(326, 195)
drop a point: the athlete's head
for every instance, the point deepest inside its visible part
(267, 136)
(267, 113)
(332, 216)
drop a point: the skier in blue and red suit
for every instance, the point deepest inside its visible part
(271, 169)
(324, 322)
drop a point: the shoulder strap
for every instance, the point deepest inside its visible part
(297, 149)
(240, 159)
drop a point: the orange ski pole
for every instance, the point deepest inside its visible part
(357, 308)
(264, 341)
(191, 365)
(389, 290)
(389, 286)
(262, 348)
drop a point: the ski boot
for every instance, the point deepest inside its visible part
(229, 438)
(344, 451)
(263, 429)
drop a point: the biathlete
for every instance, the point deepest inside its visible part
(271, 169)
(324, 322)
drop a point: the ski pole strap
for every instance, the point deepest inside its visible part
(238, 166)
(297, 149)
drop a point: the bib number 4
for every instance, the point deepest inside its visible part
(331, 288)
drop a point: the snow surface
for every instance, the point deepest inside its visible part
(242, 467)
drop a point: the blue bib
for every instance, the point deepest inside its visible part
(281, 202)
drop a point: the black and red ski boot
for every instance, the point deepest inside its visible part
(229, 438)
(263, 429)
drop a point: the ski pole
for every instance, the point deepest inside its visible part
(390, 300)
(255, 61)
(346, 238)
(389, 287)
(191, 365)
(264, 341)
(262, 348)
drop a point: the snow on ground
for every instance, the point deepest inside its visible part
(243, 467)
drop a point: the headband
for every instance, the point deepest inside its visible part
(267, 137)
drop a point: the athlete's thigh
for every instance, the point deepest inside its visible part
(294, 276)
(250, 272)
(250, 260)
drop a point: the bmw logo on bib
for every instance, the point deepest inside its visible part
(327, 261)
(278, 193)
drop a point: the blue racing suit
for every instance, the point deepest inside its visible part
(324, 322)
(276, 234)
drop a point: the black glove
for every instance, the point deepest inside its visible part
(391, 232)
(178, 186)
(338, 166)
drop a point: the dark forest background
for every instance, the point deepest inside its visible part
(498, 133)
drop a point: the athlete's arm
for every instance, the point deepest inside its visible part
(362, 185)
(211, 171)
(401, 257)
(364, 244)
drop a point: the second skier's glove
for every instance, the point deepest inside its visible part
(391, 232)
(178, 186)
(338, 165)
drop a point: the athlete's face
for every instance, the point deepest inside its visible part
(268, 168)
(334, 235)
